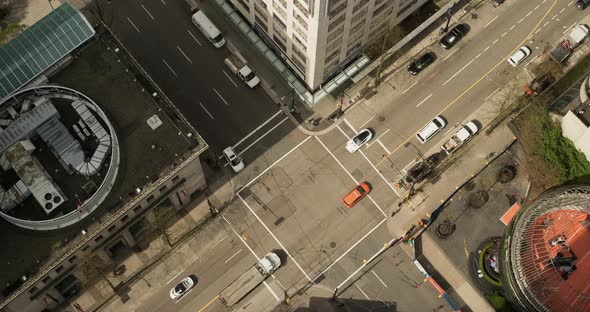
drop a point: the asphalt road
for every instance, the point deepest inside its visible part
(161, 36)
(293, 183)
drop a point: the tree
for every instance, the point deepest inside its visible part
(94, 269)
(158, 222)
(100, 10)
(379, 49)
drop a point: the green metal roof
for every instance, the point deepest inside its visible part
(40, 46)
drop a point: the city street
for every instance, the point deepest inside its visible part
(289, 196)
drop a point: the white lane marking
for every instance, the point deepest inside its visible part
(554, 16)
(511, 28)
(263, 135)
(350, 175)
(527, 15)
(148, 12)
(520, 21)
(221, 97)
(377, 276)
(175, 276)
(538, 5)
(366, 122)
(488, 24)
(271, 291)
(379, 137)
(447, 132)
(351, 248)
(137, 29)
(489, 96)
(425, 100)
(561, 11)
(272, 165)
(229, 259)
(228, 77)
(219, 241)
(457, 73)
(487, 48)
(257, 128)
(477, 56)
(170, 68)
(385, 148)
(183, 296)
(450, 54)
(184, 54)
(359, 288)
(546, 23)
(570, 3)
(273, 236)
(504, 34)
(206, 111)
(163, 2)
(534, 58)
(410, 87)
(373, 166)
(195, 38)
(538, 30)
(365, 263)
(350, 126)
(495, 41)
(574, 24)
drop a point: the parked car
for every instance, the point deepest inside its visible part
(458, 139)
(359, 140)
(421, 63)
(582, 4)
(430, 129)
(497, 3)
(519, 56)
(234, 161)
(453, 36)
(539, 84)
(356, 195)
(182, 288)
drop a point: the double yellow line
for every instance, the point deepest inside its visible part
(476, 82)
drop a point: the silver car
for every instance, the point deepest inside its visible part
(359, 140)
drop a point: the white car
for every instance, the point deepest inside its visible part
(359, 140)
(182, 288)
(519, 56)
(234, 161)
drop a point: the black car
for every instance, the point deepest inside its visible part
(420, 63)
(582, 4)
(453, 36)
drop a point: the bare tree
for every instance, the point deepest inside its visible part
(93, 269)
(158, 222)
(380, 47)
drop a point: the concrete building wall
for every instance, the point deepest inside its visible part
(317, 38)
(177, 187)
(574, 129)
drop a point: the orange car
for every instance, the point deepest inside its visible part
(356, 195)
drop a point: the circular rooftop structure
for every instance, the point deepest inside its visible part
(547, 252)
(58, 157)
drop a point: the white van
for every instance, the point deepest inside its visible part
(208, 29)
(430, 129)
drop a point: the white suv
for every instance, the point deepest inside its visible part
(430, 129)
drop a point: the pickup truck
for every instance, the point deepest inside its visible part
(238, 65)
(250, 279)
(466, 132)
(565, 47)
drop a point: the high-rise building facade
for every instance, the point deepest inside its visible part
(317, 38)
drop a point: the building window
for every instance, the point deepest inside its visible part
(33, 290)
(85, 249)
(125, 218)
(136, 209)
(260, 22)
(47, 279)
(163, 188)
(359, 5)
(98, 239)
(59, 269)
(112, 228)
(335, 10)
(301, 8)
(335, 22)
(406, 7)
(175, 179)
(150, 198)
(244, 5)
